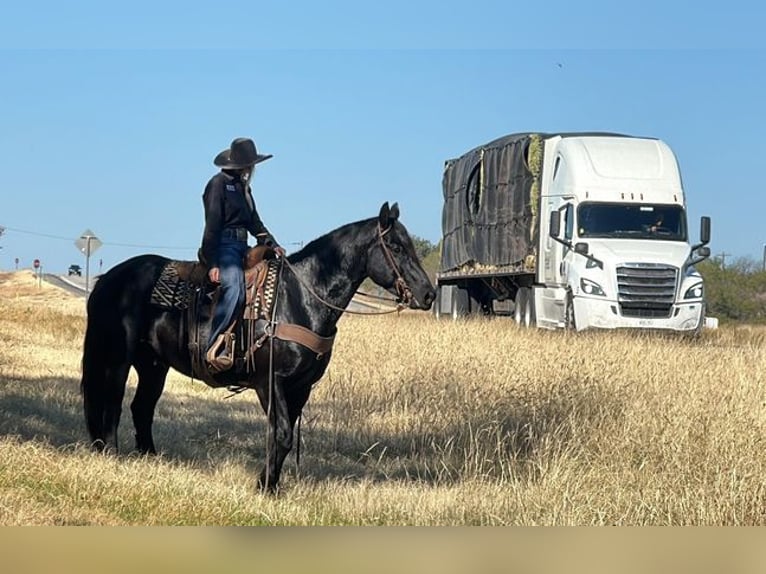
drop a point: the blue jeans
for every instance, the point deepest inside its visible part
(232, 296)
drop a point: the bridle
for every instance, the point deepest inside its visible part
(403, 291)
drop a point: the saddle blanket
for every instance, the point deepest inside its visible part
(170, 291)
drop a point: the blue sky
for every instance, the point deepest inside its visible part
(110, 118)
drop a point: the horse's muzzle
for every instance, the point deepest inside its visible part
(425, 301)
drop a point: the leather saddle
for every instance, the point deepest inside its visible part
(223, 353)
(184, 286)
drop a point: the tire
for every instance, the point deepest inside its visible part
(570, 321)
(460, 303)
(520, 306)
(530, 316)
(697, 332)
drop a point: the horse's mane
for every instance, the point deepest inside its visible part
(330, 241)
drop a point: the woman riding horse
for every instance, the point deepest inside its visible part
(317, 283)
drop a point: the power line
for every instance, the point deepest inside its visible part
(114, 244)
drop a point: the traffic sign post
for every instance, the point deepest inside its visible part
(38, 272)
(87, 243)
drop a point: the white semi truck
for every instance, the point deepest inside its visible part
(575, 230)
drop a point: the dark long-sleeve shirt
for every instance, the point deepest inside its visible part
(226, 206)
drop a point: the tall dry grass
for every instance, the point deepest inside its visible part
(415, 422)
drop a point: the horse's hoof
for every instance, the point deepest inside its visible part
(102, 447)
(270, 489)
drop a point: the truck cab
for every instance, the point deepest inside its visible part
(615, 249)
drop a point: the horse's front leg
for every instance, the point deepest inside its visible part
(279, 439)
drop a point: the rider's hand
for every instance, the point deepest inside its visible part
(280, 251)
(214, 275)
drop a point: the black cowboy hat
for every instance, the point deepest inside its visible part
(241, 153)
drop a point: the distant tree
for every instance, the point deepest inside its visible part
(736, 292)
(423, 247)
(429, 255)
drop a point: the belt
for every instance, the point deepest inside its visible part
(238, 233)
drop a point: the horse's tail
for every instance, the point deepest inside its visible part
(94, 376)
(116, 315)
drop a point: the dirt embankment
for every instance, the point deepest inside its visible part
(24, 287)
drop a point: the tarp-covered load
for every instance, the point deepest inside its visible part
(491, 197)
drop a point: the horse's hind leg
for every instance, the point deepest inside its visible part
(103, 405)
(151, 381)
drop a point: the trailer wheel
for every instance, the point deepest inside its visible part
(520, 306)
(438, 304)
(570, 322)
(530, 315)
(460, 303)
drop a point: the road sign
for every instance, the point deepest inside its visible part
(88, 243)
(36, 264)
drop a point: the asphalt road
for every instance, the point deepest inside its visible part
(73, 283)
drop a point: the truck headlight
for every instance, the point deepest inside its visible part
(591, 287)
(694, 292)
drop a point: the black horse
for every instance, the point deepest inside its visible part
(317, 283)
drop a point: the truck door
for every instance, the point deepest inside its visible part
(555, 265)
(568, 215)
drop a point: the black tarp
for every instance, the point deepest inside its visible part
(490, 204)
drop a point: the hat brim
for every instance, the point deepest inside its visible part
(223, 159)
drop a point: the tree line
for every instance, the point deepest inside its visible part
(735, 291)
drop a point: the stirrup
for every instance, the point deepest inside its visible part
(220, 356)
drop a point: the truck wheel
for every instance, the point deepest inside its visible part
(570, 322)
(520, 306)
(459, 303)
(438, 304)
(530, 318)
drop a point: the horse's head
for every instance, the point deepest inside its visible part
(394, 265)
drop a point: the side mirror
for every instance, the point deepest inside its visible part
(699, 254)
(555, 225)
(581, 248)
(704, 229)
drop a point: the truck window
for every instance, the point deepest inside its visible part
(569, 222)
(643, 221)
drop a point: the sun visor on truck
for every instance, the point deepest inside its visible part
(491, 199)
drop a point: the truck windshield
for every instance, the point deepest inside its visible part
(630, 220)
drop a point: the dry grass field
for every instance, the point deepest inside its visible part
(416, 422)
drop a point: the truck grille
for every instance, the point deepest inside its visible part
(646, 289)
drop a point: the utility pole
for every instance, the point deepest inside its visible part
(87, 243)
(764, 258)
(723, 256)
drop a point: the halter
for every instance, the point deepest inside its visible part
(403, 290)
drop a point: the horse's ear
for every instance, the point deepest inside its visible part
(383, 216)
(394, 213)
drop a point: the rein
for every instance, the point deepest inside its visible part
(402, 289)
(319, 298)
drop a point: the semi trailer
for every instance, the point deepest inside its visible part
(570, 230)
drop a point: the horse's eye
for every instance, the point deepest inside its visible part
(396, 248)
